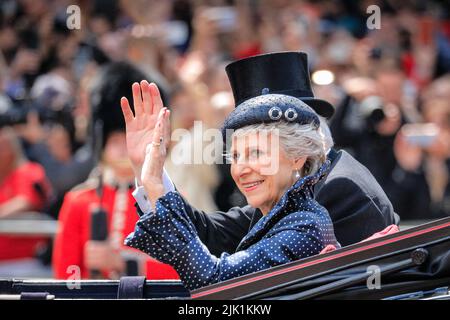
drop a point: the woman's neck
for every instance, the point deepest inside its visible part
(266, 208)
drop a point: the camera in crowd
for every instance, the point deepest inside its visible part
(50, 99)
(371, 109)
(360, 115)
(19, 114)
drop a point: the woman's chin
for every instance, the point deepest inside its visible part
(254, 203)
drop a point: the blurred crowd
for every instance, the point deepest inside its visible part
(390, 87)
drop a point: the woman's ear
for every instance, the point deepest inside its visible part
(299, 163)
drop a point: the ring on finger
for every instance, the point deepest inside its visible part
(158, 143)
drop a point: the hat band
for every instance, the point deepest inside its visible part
(297, 93)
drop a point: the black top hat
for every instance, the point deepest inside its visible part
(275, 73)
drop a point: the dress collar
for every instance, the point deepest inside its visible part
(310, 180)
(302, 189)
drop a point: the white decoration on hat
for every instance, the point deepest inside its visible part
(290, 111)
(271, 113)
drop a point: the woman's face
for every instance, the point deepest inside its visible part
(261, 169)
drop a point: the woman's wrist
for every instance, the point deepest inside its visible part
(154, 190)
(137, 174)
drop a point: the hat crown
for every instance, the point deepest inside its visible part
(275, 73)
(270, 108)
(281, 72)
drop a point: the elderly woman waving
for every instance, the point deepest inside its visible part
(277, 154)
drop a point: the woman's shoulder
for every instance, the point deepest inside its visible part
(309, 213)
(315, 224)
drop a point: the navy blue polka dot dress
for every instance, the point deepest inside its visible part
(297, 227)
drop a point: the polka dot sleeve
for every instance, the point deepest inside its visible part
(297, 227)
(198, 268)
(164, 232)
(170, 237)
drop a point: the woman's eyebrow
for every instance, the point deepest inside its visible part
(249, 148)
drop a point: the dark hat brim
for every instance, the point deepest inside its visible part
(322, 107)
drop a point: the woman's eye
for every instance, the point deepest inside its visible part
(255, 154)
(232, 157)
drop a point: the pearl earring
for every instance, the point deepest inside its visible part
(297, 174)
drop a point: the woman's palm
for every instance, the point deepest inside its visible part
(139, 135)
(140, 125)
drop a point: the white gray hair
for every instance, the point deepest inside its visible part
(299, 140)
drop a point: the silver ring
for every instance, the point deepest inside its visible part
(275, 117)
(294, 114)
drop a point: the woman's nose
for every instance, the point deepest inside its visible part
(242, 168)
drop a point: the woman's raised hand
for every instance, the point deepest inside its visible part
(140, 126)
(155, 156)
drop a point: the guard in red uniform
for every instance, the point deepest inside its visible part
(24, 188)
(108, 191)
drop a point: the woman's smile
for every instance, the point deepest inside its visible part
(250, 186)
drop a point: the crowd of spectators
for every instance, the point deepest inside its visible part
(390, 86)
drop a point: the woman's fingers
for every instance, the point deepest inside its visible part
(137, 99)
(167, 131)
(156, 98)
(155, 153)
(146, 97)
(126, 110)
(159, 129)
(155, 144)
